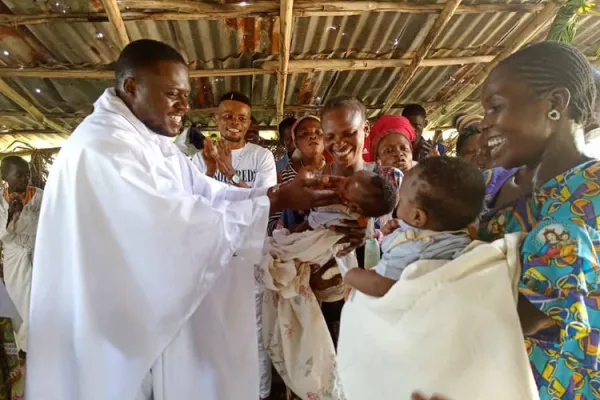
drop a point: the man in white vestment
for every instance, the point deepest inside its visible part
(143, 279)
(19, 213)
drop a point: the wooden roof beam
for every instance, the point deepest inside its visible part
(207, 11)
(31, 109)
(114, 16)
(531, 28)
(436, 29)
(268, 67)
(286, 20)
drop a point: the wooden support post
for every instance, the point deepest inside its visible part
(437, 28)
(114, 16)
(26, 105)
(286, 20)
(540, 21)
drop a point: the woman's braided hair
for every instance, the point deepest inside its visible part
(550, 65)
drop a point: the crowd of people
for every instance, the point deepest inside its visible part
(149, 251)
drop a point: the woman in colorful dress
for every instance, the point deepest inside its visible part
(535, 103)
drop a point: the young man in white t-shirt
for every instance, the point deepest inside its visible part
(234, 161)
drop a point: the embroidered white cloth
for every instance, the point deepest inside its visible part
(295, 333)
(143, 274)
(448, 327)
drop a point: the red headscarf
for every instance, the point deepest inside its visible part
(389, 125)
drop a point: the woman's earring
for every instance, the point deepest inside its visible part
(554, 115)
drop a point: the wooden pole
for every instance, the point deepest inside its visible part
(286, 20)
(114, 16)
(26, 105)
(537, 23)
(435, 31)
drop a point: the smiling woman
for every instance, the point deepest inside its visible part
(535, 103)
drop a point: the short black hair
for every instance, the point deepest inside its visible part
(283, 125)
(414, 110)
(381, 200)
(236, 96)
(550, 65)
(345, 102)
(450, 190)
(143, 53)
(8, 163)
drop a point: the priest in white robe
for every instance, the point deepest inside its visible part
(143, 273)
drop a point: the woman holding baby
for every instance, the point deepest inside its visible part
(535, 103)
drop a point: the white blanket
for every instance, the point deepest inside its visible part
(447, 327)
(294, 330)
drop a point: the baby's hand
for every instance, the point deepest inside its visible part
(390, 227)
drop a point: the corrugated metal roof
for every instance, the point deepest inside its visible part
(247, 43)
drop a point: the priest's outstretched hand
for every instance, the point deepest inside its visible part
(305, 192)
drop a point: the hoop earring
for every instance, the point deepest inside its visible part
(554, 115)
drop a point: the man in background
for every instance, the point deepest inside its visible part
(247, 165)
(287, 141)
(253, 134)
(417, 115)
(19, 213)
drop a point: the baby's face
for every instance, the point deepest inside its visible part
(356, 189)
(407, 202)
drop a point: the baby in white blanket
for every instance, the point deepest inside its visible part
(437, 201)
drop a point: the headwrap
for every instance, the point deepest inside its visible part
(392, 175)
(468, 121)
(389, 125)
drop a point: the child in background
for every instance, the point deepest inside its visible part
(437, 201)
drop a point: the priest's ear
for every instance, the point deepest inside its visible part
(129, 86)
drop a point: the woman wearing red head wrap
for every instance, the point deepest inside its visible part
(391, 142)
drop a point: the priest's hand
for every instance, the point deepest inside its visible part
(304, 193)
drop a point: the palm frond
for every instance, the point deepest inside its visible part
(564, 26)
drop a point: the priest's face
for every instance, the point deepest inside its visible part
(158, 96)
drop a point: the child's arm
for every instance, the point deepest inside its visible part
(368, 282)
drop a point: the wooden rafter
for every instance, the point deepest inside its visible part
(114, 16)
(199, 11)
(436, 29)
(286, 20)
(269, 67)
(531, 28)
(26, 105)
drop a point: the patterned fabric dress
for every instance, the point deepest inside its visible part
(560, 277)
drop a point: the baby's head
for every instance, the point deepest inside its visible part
(441, 194)
(369, 194)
